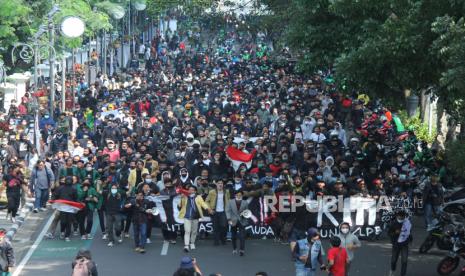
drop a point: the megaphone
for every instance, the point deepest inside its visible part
(155, 211)
(246, 214)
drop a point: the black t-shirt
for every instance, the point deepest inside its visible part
(13, 184)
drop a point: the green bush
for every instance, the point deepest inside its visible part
(455, 157)
(420, 128)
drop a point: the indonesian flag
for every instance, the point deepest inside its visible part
(239, 157)
(67, 206)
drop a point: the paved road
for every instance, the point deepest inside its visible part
(53, 258)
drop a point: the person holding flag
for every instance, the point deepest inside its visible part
(65, 201)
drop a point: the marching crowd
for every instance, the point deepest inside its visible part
(165, 130)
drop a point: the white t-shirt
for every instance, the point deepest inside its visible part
(220, 202)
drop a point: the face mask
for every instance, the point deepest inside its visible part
(177, 154)
(238, 198)
(149, 180)
(89, 169)
(400, 220)
(110, 147)
(114, 191)
(344, 230)
(319, 177)
(192, 195)
(46, 116)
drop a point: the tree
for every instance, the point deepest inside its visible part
(13, 20)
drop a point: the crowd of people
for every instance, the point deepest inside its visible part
(163, 130)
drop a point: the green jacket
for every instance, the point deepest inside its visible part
(91, 192)
(64, 172)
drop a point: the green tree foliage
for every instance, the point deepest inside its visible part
(13, 21)
(383, 48)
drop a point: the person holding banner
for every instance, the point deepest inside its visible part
(191, 209)
(140, 208)
(236, 218)
(69, 193)
(218, 200)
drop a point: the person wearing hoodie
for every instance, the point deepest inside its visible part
(183, 180)
(66, 192)
(113, 202)
(349, 241)
(169, 234)
(341, 133)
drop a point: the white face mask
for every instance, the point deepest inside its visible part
(192, 195)
(344, 230)
(400, 220)
(114, 191)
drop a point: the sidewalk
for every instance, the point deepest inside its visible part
(11, 227)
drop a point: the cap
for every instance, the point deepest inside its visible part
(312, 232)
(186, 263)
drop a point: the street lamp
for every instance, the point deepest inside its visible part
(71, 27)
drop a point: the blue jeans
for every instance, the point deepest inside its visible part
(430, 210)
(41, 196)
(301, 270)
(140, 234)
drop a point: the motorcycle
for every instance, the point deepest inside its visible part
(449, 263)
(437, 234)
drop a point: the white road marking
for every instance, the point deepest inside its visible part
(33, 248)
(164, 249)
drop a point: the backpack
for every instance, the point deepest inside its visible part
(81, 267)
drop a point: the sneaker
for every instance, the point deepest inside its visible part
(13, 220)
(148, 241)
(186, 248)
(35, 210)
(234, 251)
(120, 239)
(49, 236)
(241, 253)
(104, 237)
(137, 249)
(43, 209)
(62, 235)
(75, 233)
(67, 240)
(142, 251)
(83, 237)
(126, 235)
(172, 241)
(192, 246)
(89, 236)
(110, 244)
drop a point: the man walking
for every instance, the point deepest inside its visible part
(42, 179)
(237, 221)
(218, 199)
(113, 205)
(399, 231)
(7, 257)
(191, 210)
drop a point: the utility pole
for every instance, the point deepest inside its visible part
(63, 83)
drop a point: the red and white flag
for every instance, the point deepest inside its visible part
(67, 206)
(239, 157)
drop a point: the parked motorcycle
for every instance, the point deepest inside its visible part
(437, 235)
(449, 263)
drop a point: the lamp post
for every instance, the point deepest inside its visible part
(71, 27)
(51, 31)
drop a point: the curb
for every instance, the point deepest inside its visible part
(19, 220)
